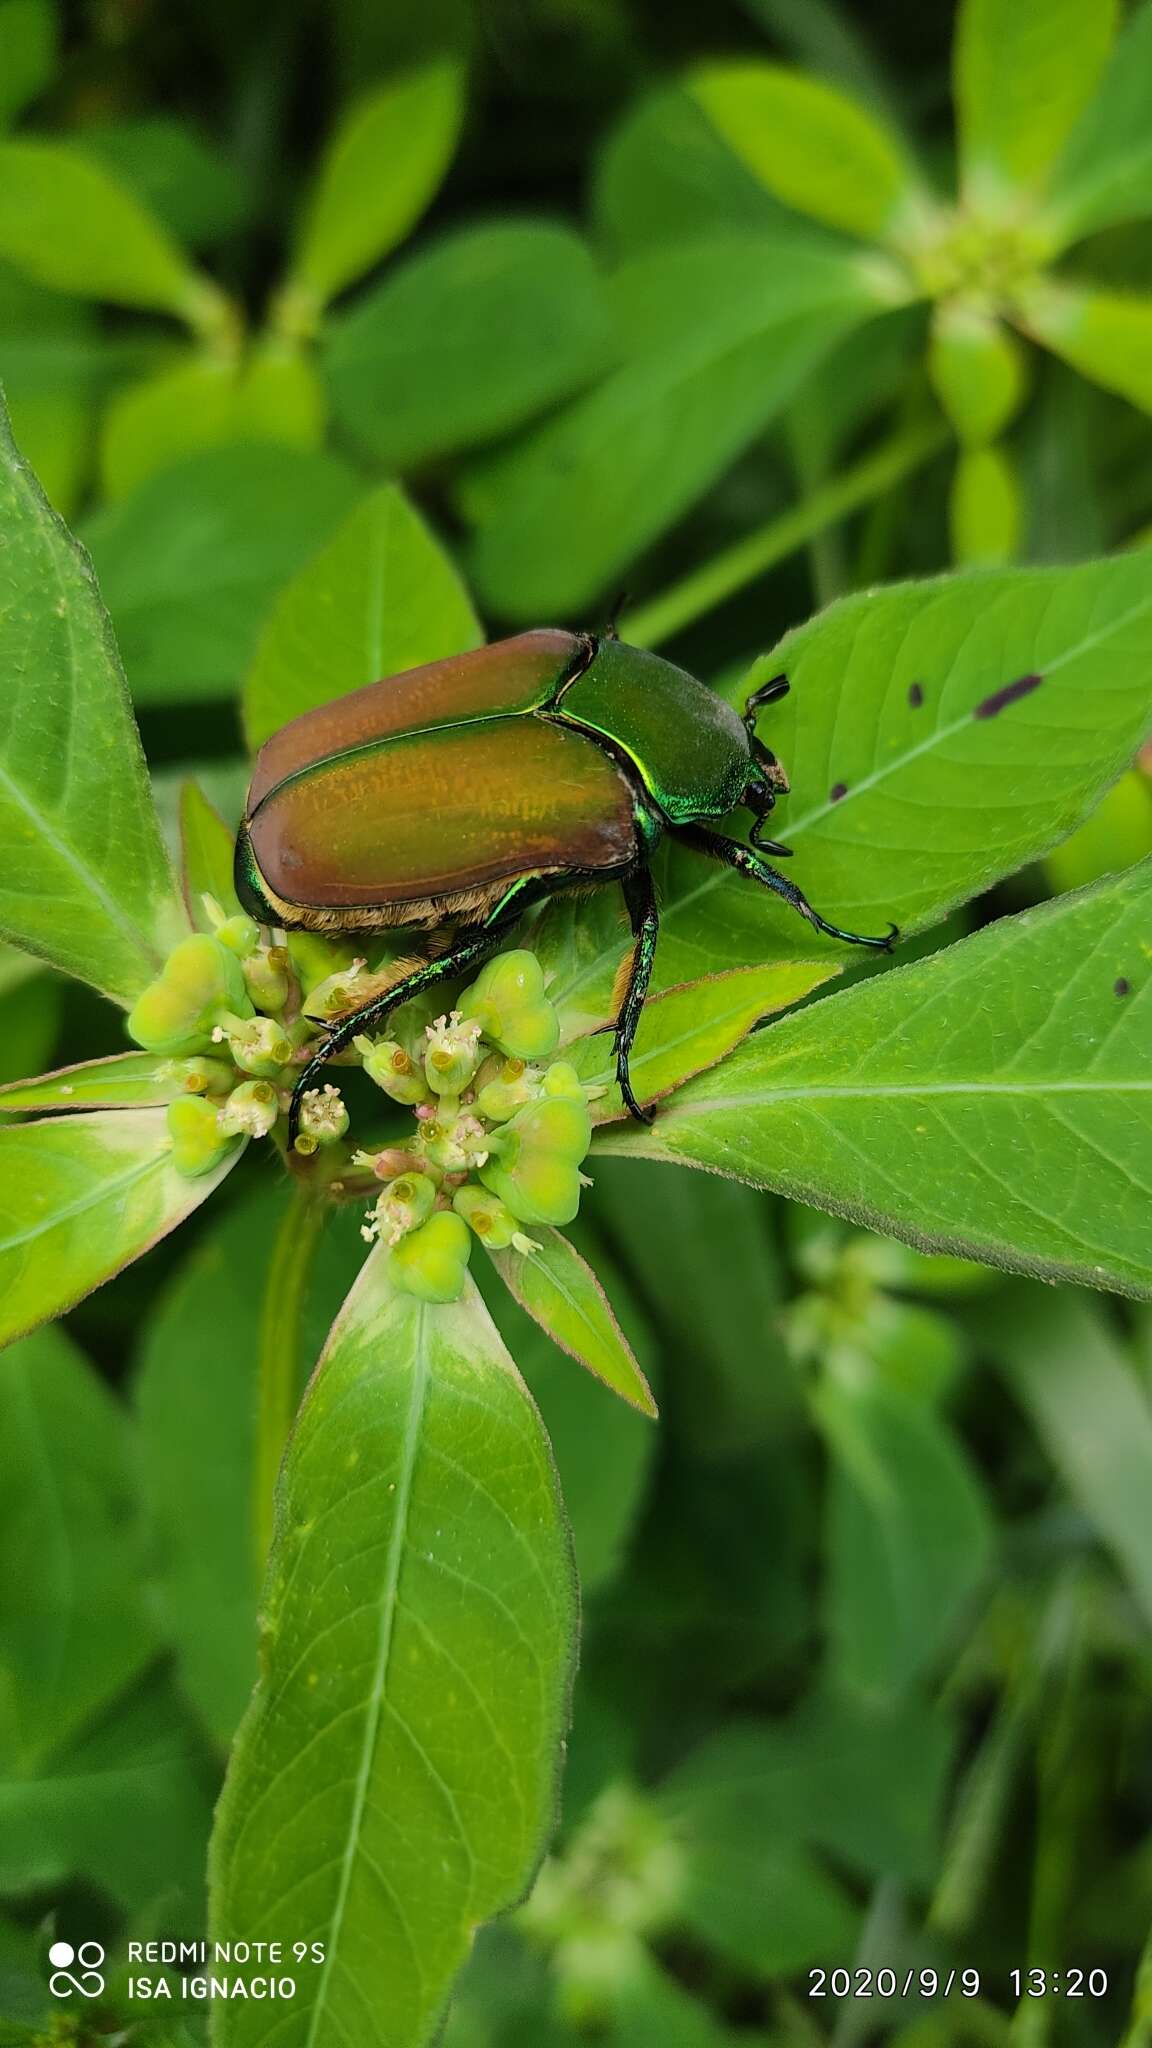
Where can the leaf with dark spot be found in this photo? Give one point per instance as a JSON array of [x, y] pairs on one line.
[[1121, 986], [991, 707], [837, 792], [915, 695]]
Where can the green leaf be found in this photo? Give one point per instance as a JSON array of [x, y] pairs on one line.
[[208, 401], [381, 169], [84, 880], [664, 176], [28, 40], [380, 597], [69, 223], [191, 562], [721, 335], [194, 188], [73, 1617], [978, 370], [985, 515], [467, 340], [1022, 74], [80, 1197], [421, 1572], [175, 412], [863, 1780], [1117, 835], [706, 1256], [909, 1535], [992, 1100], [811, 145], [207, 846], [126, 1808], [1105, 174], [196, 1403], [651, 2009], [128, 1080], [1107, 336], [1061, 1359], [687, 1029], [919, 775], [29, 1026], [768, 1906], [560, 1291], [51, 366], [604, 1450]]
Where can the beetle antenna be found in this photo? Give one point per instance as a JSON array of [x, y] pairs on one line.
[[618, 605]]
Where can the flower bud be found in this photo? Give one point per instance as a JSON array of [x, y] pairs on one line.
[[432, 1262], [258, 1045], [240, 934], [316, 959], [250, 1111], [510, 1088], [336, 994], [323, 1115], [393, 1070], [201, 1076], [176, 1013], [494, 1224], [507, 1000], [450, 1054], [404, 1205], [453, 1143], [562, 1081], [535, 1159], [198, 1143], [268, 978]]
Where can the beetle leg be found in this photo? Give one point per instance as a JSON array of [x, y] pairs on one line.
[[748, 863], [471, 949], [640, 897]]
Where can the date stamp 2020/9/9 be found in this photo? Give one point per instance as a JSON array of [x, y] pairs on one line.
[[928, 1982]]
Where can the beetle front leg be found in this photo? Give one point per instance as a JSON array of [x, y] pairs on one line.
[[472, 950], [748, 863], [640, 897]]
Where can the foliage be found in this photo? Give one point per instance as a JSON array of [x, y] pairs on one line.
[[291, 1526]]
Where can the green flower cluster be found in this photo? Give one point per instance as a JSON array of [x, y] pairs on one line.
[[227, 1011], [502, 1128], [500, 1138]]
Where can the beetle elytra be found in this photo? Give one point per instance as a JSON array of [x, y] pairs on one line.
[[460, 793]]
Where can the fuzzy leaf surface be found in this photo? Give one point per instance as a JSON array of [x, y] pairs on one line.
[[382, 596], [84, 879], [418, 1619], [80, 1197], [938, 736], [993, 1100]]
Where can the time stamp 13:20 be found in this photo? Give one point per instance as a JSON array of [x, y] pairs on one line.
[[932, 1983]]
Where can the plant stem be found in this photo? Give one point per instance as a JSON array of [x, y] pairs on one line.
[[740, 564], [279, 1355]]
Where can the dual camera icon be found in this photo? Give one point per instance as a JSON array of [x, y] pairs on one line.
[[76, 1969]]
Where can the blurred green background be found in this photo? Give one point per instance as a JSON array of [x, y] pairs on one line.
[[867, 1666]]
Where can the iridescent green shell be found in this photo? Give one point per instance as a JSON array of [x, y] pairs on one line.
[[689, 746], [425, 796]]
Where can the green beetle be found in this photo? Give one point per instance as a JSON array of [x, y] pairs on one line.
[[462, 792]]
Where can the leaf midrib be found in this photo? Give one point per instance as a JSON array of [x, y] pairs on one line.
[[393, 1561], [913, 1090], [47, 829], [105, 1191], [797, 824]]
